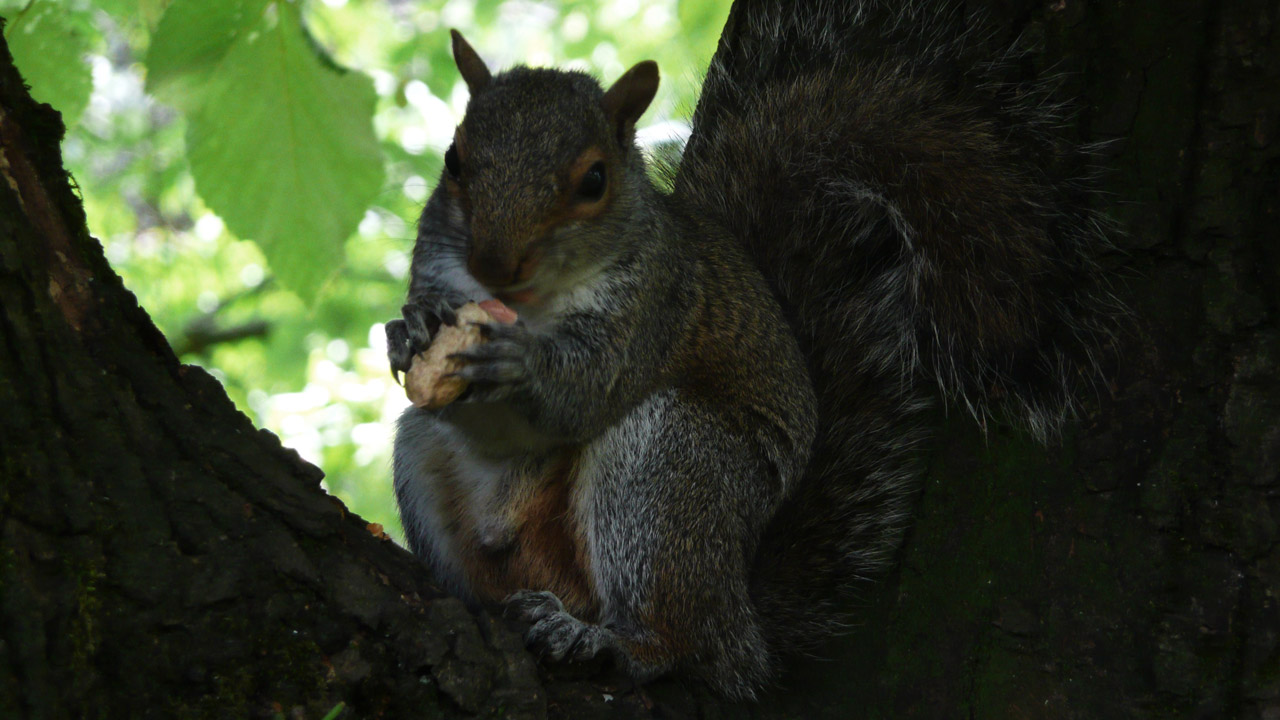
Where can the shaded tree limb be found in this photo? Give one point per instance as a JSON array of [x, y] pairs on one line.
[[160, 557]]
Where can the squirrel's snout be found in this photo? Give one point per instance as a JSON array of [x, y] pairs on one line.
[[491, 269], [501, 269]]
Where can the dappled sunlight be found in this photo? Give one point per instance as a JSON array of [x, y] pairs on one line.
[[314, 371]]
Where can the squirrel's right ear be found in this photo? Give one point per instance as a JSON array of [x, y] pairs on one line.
[[473, 70], [627, 99]]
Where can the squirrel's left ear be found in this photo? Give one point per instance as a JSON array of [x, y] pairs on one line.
[[627, 99], [473, 70]]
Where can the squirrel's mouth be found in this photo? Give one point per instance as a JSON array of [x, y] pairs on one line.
[[524, 297]]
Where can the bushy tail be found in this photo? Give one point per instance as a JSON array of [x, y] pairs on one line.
[[927, 231]]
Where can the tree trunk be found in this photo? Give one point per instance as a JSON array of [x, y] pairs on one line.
[[1132, 571], [162, 558]]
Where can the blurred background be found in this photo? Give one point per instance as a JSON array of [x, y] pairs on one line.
[[254, 169]]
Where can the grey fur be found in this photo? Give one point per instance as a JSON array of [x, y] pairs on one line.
[[738, 449]]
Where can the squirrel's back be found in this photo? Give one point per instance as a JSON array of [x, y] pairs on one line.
[[927, 230]]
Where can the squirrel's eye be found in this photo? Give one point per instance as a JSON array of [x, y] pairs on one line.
[[592, 185], [451, 162]]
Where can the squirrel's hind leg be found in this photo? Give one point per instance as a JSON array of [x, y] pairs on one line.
[[453, 503], [664, 521]]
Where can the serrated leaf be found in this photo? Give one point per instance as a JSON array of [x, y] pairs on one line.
[[191, 39], [283, 150], [49, 44]]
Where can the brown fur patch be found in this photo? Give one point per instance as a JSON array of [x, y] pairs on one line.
[[568, 207], [571, 206], [513, 243], [548, 552], [460, 146]]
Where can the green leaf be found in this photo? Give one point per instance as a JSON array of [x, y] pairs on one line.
[[283, 150], [49, 43], [125, 12], [698, 13], [443, 74], [190, 41]]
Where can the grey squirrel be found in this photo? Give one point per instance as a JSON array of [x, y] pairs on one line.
[[700, 435]]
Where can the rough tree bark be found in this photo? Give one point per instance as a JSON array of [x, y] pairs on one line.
[[162, 558]]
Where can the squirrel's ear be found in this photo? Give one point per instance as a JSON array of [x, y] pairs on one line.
[[473, 70], [626, 101]]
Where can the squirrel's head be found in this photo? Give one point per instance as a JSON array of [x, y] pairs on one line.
[[541, 160]]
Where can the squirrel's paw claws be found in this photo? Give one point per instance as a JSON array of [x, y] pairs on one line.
[[423, 317], [555, 633], [399, 348], [411, 333], [558, 637], [489, 365], [532, 605], [516, 331], [497, 368]]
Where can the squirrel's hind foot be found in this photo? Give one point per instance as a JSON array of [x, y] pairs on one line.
[[555, 633]]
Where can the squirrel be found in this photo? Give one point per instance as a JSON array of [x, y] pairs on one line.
[[701, 435]]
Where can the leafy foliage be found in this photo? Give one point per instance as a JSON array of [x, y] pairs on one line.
[[190, 42], [309, 129], [257, 190], [50, 44], [254, 87]]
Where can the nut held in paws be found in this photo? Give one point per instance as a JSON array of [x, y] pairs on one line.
[[427, 383]]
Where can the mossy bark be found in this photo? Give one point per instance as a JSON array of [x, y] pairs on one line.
[[162, 558]]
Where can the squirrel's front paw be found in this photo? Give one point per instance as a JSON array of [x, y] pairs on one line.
[[411, 333], [499, 367], [555, 633]]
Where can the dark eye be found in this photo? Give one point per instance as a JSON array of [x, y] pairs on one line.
[[451, 162], [592, 185]]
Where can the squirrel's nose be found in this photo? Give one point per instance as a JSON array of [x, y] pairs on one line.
[[494, 269], [502, 269]]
